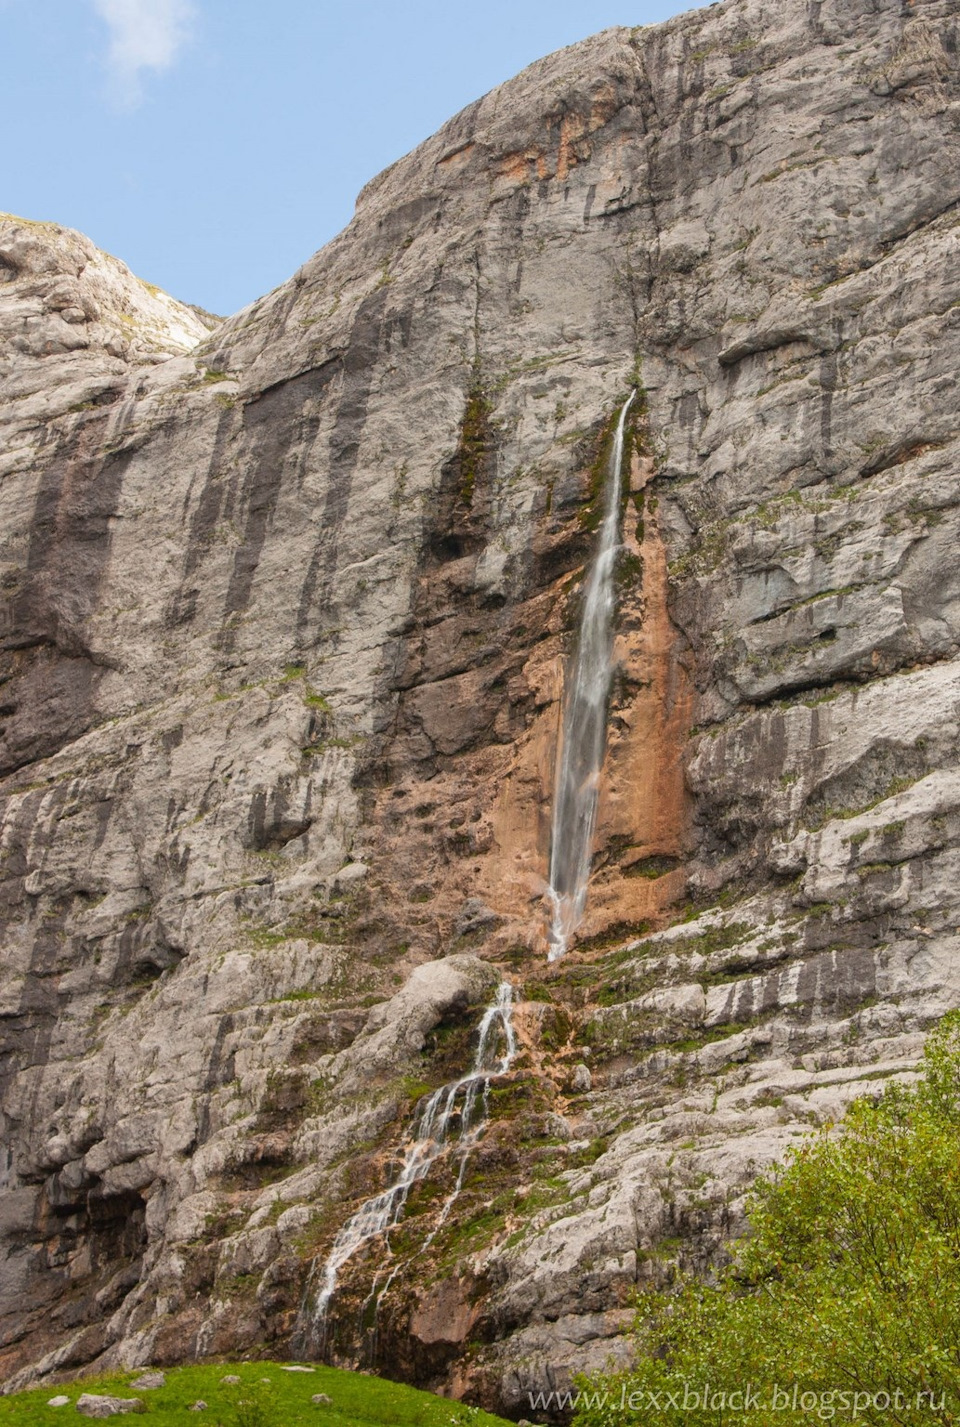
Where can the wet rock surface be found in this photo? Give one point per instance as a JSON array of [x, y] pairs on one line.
[[285, 602]]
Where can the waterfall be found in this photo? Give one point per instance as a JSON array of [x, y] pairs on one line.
[[455, 1115], [436, 1126], [583, 737]]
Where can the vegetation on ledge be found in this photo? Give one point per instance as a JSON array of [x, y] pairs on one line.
[[476, 441]]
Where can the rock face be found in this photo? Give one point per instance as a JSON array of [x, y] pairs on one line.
[[285, 604], [91, 1404]]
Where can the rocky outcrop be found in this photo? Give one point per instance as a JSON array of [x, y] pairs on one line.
[[285, 606]]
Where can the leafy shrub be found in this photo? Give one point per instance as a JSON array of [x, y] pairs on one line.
[[843, 1301]]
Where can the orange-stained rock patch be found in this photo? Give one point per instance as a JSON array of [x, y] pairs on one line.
[[643, 820]]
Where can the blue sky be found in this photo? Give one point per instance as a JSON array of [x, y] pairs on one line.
[[215, 144]]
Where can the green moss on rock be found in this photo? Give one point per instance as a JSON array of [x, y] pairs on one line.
[[476, 441]]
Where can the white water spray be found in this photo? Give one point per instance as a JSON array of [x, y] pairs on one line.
[[583, 736], [431, 1136]]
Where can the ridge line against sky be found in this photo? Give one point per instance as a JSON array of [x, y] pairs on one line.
[[214, 145]]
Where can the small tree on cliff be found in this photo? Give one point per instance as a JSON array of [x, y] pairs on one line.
[[844, 1299]]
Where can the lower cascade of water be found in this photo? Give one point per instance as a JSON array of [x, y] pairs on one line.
[[583, 738], [452, 1118]]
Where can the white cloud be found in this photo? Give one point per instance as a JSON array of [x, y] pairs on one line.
[[144, 34]]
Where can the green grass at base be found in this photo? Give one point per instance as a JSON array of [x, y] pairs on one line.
[[283, 1401]]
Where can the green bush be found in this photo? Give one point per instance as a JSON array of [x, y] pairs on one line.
[[842, 1302]]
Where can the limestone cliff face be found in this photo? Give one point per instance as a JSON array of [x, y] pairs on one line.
[[285, 605]]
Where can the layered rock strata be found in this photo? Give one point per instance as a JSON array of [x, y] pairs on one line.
[[286, 601]]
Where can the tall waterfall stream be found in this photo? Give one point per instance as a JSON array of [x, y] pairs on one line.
[[454, 1116], [583, 739]]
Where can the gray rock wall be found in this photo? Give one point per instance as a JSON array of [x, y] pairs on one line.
[[284, 604]]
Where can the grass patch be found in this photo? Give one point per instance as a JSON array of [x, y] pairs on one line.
[[820, 815], [613, 936], [705, 943], [283, 1400]]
